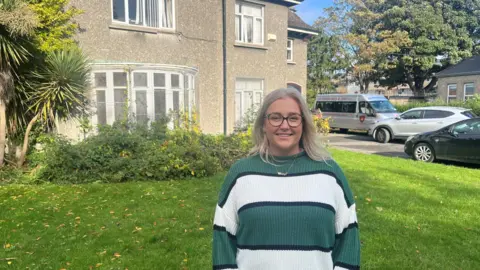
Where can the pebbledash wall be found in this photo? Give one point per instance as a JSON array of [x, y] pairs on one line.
[[176, 64]]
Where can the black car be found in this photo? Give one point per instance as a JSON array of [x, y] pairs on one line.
[[456, 142]]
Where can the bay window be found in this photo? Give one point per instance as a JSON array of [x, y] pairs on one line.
[[140, 95]]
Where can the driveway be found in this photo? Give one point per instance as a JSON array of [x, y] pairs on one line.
[[361, 142]]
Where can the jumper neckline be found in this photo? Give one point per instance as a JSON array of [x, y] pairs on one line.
[[290, 157]]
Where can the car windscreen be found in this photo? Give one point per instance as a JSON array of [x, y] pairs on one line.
[[383, 106], [469, 114]]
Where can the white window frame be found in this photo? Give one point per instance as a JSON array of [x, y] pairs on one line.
[[150, 91], [448, 92], [243, 31], [242, 92], [160, 16], [290, 49], [465, 96]]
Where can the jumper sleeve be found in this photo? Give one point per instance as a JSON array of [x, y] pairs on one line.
[[346, 251], [225, 226]]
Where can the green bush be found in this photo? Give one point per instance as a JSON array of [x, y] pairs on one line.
[[472, 103], [123, 153]]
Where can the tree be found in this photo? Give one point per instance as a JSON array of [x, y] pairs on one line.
[[17, 22], [56, 26], [359, 26], [325, 58], [59, 90], [437, 29]]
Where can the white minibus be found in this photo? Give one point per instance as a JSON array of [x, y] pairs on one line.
[[354, 111]]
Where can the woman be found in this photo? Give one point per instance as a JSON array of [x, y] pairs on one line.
[[288, 205]]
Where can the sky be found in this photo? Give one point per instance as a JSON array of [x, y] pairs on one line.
[[310, 10]]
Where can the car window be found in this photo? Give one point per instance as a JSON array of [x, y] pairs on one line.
[[429, 114], [469, 114], [471, 127], [417, 114]]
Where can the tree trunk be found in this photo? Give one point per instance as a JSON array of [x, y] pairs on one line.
[[3, 131], [21, 160]]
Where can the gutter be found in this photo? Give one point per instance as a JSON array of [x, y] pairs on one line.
[[224, 22]]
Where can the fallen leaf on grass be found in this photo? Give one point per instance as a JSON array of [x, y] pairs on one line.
[[137, 229], [7, 245], [201, 229], [368, 199], [117, 255], [98, 265], [379, 208]]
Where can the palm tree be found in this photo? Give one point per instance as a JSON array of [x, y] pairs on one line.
[[17, 22], [59, 90]]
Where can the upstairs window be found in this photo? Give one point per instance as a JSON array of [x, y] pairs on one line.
[[147, 13], [249, 23], [290, 50]]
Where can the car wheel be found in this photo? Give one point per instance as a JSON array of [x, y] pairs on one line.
[[382, 135], [423, 152]]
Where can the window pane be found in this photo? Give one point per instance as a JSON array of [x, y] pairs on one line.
[[430, 114], [249, 29], [119, 79], [452, 90], [248, 100], [186, 82], [238, 106], [469, 89], [167, 15], [101, 108], [175, 81], [120, 98], [100, 80], [252, 10], [412, 115], [152, 16], [258, 98], [135, 12], [141, 105], [186, 100], [159, 80], [176, 101], [258, 34], [238, 27], [119, 10], [289, 55], [160, 103], [237, 8], [140, 79]]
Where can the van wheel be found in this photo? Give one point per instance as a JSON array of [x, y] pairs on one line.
[[343, 130], [382, 135], [423, 152]]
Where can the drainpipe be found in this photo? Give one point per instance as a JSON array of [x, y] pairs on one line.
[[224, 23]]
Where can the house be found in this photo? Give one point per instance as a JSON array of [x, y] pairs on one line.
[[461, 81], [216, 57]]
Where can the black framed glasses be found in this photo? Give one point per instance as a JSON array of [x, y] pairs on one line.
[[276, 119]]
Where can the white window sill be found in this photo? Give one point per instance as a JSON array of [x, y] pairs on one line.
[[251, 46], [144, 29], [291, 62]]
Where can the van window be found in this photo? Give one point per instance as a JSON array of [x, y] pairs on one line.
[[366, 108], [337, 106]]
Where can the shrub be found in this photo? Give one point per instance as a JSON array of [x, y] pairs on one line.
[[472, 103]]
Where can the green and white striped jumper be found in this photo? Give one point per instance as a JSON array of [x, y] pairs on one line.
[[305, 220]]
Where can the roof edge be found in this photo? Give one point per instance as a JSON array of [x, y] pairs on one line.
[[457, 74], [302, 30]]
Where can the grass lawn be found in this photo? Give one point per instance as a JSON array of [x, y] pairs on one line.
[[412, 216]]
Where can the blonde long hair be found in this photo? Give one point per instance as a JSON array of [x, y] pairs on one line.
[[308, 141]]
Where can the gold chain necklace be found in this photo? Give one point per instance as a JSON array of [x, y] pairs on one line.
[[286, 173]]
